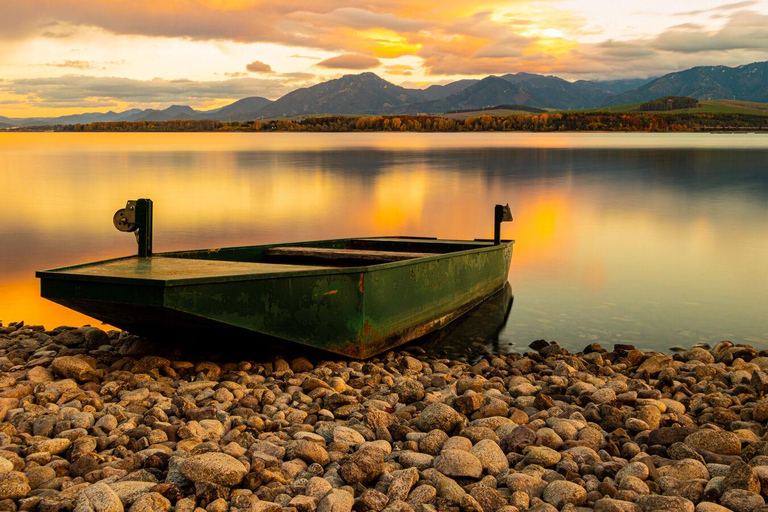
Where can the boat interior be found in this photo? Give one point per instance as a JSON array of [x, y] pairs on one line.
[[337, 253], [270, 259]]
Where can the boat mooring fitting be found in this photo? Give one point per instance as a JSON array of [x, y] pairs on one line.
[[136, 217]]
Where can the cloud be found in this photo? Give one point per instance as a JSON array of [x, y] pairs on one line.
[[399, 69], [511, 46], [720, 8], [258, 67], [81, 90], [84, 64], [350, 61], [77, 64], [743, 30]]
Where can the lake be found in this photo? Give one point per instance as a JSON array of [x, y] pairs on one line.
[[659, 240]]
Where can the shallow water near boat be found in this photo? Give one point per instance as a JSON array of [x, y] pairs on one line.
[[652, 239]]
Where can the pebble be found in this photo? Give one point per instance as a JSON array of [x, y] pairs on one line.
[[458, 463], [561, 492], [214, 467], [96, 421], [98, 497]]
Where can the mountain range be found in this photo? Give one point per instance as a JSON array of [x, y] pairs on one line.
[[367, 93]]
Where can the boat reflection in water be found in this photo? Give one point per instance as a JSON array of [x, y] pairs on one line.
[[474, 334]]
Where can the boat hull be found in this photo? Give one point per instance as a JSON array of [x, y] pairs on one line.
[[356, 312]]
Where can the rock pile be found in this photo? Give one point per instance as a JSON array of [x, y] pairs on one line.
[[86, 424]]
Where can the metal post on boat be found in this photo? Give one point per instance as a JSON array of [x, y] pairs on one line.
[[137, 217], [501, 214]]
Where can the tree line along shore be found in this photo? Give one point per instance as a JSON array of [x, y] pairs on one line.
[[548, 122]]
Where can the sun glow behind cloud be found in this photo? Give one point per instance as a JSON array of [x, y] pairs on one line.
[[213, 41]]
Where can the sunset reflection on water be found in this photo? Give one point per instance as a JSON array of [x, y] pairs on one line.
[[655, 247]]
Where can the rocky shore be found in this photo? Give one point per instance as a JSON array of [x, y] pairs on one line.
[[92, 421]]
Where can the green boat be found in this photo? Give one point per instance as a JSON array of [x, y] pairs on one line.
[[356, 297]]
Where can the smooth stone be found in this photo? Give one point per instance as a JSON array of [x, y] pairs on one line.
[[13, 485], [72, 367], [347, 435], [154, 502], [98, 497], [458, 463], [741, 476], [439, 416], [656, 503], [416, 460], [716, 441], [336, 501], [612, 505], [490, 456], [562, 492], [363, 466], [741, 500], [706, 506], [214, 467], [541, 455]]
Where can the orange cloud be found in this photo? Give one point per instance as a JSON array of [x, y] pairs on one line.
[[350, 61], [258, 67]]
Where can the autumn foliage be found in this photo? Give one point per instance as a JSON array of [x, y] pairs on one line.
[[554, 122]]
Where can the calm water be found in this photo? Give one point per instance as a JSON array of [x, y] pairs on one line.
[[653, 239]]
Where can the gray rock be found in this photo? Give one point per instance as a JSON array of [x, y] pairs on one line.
[[98, 497], [458, 463], [213, 467]]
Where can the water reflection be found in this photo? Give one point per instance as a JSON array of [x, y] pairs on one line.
[[617, 239], [478, 333]]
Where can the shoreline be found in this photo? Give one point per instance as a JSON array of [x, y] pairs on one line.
[[91, 420]]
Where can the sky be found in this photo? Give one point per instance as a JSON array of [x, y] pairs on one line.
[[62, 57]]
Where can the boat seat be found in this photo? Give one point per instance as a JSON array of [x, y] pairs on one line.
[[344, 254]]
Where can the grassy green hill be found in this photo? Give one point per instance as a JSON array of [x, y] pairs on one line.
[[705, 107]]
